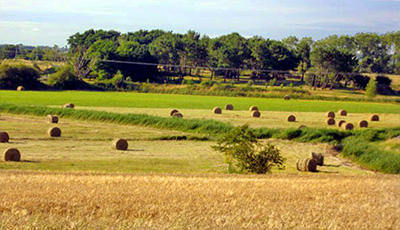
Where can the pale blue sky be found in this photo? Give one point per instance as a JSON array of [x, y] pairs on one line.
[[48, 22]]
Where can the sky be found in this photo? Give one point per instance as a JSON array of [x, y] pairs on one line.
[[50, 22]]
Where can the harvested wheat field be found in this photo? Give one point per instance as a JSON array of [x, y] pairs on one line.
[[121, 201]]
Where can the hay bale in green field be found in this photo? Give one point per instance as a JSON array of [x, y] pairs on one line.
[[253, 108], [330, 114], [173, 111], [255, 114], [291, 118], [363, 124], [217, 110], [69, 106], [374, 117], [330, 121], [340, 123], [12, 154], [177, 115], [342, 113]]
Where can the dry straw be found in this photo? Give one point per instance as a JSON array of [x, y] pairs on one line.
[[228, 107], [69, 106], [348, 126], [12, 154], [330, 121], [4, 138], [342, 113], [253, 108], [171, 113], [20, 88], [291, 118], [52, 119], [340, 123], [255, 113], [120, 144], [374, 117], [363, 124], [318, 157], [54, 132], [306, 165], [217, 110], [330, 114]]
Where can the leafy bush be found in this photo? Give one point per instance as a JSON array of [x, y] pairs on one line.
[[243, 151], [64, 79], [383, 80], [371, 89], [19, 75]]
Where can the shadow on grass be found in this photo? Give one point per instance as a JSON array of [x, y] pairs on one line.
[[336, 166]]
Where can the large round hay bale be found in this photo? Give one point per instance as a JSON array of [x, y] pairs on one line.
[[253, 108], [228, 107], [318, 157], [374, 117], [255, 113], [340, 123], [20, 88], [291, 118], [286, 97], [330, 114], [69, 106], [54, 132], [177, 115], [330, 121], [363, 124], [173, 111], [306, 165], [52, 119], [348, 126], [12, 154], [217, 110], [342, 113], [120, 144], [4, 138]]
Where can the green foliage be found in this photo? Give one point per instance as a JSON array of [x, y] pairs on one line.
[[64, 79], [243, 151], [371, 89], [272, 82], [19, 75]]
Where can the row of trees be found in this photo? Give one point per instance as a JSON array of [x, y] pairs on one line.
[[39, 53]]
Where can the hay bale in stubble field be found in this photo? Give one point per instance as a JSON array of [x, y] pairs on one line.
[[306, 165], [177, 115], [330, 114], [253, 108], [20, 88], [69, 106], [374, 117], [52, 119], [291, 118], [342, 113], [340, 123], [330, 121], [217, 110], [173, 111], [255, 113], [363, 124], [228, 107], [120, 144], [348, 126], [318, 157], [54, 132], [4, 137], [12, 154]]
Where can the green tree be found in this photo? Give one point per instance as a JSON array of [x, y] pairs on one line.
[[371, 89]]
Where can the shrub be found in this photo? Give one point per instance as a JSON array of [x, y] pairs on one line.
[[243, 152], [371, 89], [19, 75], [64, 79]]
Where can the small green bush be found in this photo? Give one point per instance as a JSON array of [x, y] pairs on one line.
[[12, 76], [64, 79]]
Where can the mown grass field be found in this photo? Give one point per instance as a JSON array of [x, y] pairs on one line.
[[141, 100]]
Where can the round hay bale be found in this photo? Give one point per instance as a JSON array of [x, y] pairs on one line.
[[177, 115], [291, 118], [228, 107], [330, 114], [253, 108], [54, 132], [4, 138], [52, 119], [340, 123], [173, 111], [12, 154], [374, 117], [69, 106], [120, 144], [286, 97], [342, 113], [318, 157], [330, 121], [255, 113], [20, 88], [363, 124], [217, 110], [306, 165], [348, 126]]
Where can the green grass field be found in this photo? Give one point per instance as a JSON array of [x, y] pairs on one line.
[[138, 100]]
